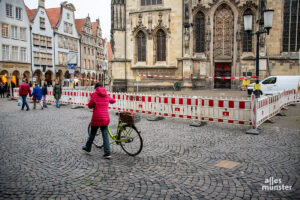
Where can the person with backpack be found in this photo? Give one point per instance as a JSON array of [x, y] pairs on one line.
[[44, 93], [24, 90], [99, 103], [37, 96]]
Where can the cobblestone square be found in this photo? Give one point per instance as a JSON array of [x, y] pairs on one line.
[[41, 158]]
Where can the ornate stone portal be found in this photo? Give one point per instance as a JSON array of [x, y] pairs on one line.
[[223, 33]]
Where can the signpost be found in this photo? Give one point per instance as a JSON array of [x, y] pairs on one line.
[[72, 71]]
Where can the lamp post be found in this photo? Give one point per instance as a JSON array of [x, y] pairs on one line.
[[268, 18]]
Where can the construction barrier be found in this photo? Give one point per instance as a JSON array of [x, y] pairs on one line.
[[200, 77], [269, 106], [248, 112]]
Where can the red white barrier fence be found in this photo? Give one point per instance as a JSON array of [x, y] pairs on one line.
[[249, 112], [201, 77], [269, 106]]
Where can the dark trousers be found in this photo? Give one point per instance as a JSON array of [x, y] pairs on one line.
[[91, 138]]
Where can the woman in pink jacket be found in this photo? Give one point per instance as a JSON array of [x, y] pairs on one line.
[[100, 119]]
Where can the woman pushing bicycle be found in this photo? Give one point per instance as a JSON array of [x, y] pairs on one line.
[[99, 103]]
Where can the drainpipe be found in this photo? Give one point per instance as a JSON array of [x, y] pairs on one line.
[[80, 58], [31, 60], [182, 38], [125, 49], [54, 55]]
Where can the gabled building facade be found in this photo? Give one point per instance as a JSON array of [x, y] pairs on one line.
[[66, 41], [43, 66], [101, 63], [15, 42], [87, 49]]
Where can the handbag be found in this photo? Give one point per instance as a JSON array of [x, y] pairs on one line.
[[33, 98], [20, 102]]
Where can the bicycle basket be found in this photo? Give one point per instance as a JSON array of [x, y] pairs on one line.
[[129, 118]]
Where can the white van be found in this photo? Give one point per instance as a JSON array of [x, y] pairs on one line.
[[275, 84]]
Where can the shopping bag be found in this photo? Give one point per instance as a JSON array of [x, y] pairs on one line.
[[20, 102]]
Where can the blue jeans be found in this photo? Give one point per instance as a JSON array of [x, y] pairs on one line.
[[57, 103], [24, 102], [91, 138]]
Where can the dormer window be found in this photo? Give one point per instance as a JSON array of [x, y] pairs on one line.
[[68, 16], [42, 23], [150, 2]]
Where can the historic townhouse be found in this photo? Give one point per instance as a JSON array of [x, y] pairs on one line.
[[200, 38], [42, 44], [66, 41], [92, 48], [87, 49], [101, 62], [14, 42]]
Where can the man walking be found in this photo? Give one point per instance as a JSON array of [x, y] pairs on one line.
[[24, 90], [44, 93], [57, 92], [37, 96]]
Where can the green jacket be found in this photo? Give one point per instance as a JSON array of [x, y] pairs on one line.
[[57, 91]]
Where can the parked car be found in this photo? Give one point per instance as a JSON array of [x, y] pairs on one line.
[[276, 84]]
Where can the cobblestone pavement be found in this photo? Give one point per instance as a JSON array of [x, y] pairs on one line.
[[41, 158]]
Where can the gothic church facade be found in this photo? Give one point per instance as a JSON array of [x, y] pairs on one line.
[[200, 38]]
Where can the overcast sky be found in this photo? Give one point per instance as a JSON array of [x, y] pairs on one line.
[[96, 8]]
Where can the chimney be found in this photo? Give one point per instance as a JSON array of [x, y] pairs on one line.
[[42, 3]]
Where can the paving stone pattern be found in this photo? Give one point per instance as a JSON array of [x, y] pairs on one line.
[[41, 158]]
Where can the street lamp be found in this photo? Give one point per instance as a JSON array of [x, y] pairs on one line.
[[268, 19]]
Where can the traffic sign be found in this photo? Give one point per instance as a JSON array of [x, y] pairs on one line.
[[257, 86]]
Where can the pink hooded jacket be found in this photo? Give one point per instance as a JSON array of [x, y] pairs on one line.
[[99, 102]]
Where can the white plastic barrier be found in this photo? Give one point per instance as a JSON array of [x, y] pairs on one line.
[[250, 112], [268, 106], [262, 110], [231, 111]]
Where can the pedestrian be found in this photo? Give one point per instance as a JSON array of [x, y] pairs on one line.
[[57, 92], [37, 96], [24, 90], [13, 85], [44, 93], [1, 90], [6, 88], [99, 103]]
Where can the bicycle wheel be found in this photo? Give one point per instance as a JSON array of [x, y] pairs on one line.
[[97, 141], [131, 140]]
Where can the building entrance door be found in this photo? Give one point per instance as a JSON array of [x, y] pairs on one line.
[[222, 70]]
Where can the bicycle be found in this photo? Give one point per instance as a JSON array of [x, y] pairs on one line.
[[127, 135]]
